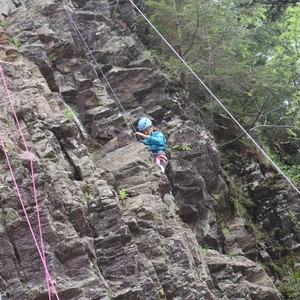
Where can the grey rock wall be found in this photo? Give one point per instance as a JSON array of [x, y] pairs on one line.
[[114, 226]]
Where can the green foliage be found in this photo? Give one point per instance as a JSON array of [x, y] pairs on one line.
[[137, 23], [290, 168], [161, 293], [229, 255], [242, 212], [171, 65], [225, 230], [127, 120], [204, 250], [216, 198], [289, 274], [53, 57], [68, 113], [173, 207], [88, 192], [241, 204], [278, 270], [26, 290], [109, 294], [291, 285], [16, 41], [2, 23], [116, 15], [54, 27], [123, 194], [162, 14], [88, 196], [183, 147]]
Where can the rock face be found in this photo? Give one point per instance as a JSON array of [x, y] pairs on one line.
[[114, 226], [240, 278]]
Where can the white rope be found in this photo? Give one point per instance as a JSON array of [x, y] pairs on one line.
[[215, 97], [95, 61]]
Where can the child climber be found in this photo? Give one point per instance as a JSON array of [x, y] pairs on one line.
[[155, 140]]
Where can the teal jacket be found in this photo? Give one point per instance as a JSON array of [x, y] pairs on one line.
[[156, 142]]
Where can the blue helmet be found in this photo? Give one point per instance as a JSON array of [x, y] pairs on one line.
[[144, 123]]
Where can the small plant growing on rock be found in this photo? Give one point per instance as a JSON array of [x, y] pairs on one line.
[[88, 192], [53, 27], [69, 113], [53, 57], [216, 198], [161, 293], [116, 15], [241, 211], [127, 121], [229, 255], [204, 250], [88, 196], [26, 289], [186, 147], [183, 147], [225, 230], [289, 273], [16, 41], [123, 194], [109, 295]]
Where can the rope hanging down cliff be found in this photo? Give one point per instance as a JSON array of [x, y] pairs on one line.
[[41, 250], [73, 24], [216, 98]]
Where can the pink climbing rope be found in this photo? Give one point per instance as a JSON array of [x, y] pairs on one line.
[[42, 250], [26, 215]]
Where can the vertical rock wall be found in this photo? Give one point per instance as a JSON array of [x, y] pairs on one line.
[[111, 227]]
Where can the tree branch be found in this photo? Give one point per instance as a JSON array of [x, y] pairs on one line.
[[249, 129]]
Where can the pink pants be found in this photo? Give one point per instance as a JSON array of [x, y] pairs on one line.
[[162, 161]]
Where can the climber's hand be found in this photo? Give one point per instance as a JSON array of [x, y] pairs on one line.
[[144, 136]]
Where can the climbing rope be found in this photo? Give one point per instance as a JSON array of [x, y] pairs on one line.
[[42, 249], [218, 101], [27, 217], [75, 27]]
